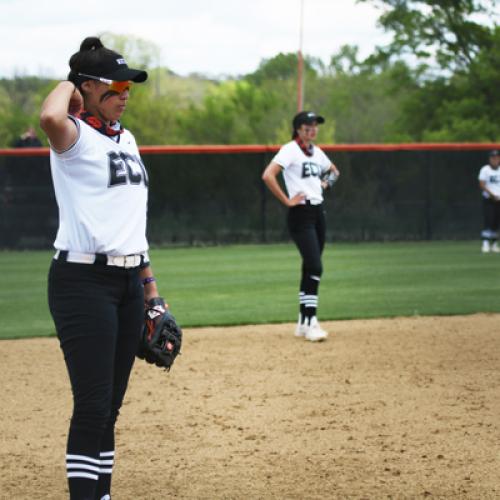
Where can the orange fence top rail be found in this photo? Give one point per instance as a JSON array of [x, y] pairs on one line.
[[258, 148]]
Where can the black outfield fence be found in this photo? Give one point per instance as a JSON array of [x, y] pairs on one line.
[[214, 194]]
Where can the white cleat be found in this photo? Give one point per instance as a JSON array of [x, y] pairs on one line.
[[314, 333], [300, 329], [495, 248], [486, 247]]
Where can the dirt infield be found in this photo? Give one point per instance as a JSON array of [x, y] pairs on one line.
[[402, 408]]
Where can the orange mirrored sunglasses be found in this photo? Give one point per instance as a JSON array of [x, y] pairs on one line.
[[114, 86]]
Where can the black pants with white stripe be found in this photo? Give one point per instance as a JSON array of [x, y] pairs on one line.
[[98, 314], [307, 227]]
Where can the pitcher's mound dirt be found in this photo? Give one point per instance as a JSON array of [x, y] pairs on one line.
[[400, 408]]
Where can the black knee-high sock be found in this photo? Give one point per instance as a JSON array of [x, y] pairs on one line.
[[107, 458], [302, 307], [310, 297], [82, 464]]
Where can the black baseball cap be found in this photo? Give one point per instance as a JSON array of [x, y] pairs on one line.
[[112, 66], [494, 152], [306, 117]]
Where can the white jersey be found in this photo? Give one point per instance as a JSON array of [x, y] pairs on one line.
[[101, 191], [301, 172], [491, 177]]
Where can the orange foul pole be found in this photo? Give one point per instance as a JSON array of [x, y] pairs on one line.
[[300, 65]]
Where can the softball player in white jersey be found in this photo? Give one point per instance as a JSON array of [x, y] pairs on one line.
[[489, 183], [306, 171], [100, 276]]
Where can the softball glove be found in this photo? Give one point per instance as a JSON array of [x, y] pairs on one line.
[[161, 337]]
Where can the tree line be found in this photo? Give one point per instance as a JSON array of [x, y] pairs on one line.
[[438, 80]]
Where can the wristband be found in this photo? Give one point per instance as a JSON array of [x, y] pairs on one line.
[[149, 279], [331, 179]]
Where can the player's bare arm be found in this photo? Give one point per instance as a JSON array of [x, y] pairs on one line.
[[270, 179], [61, 130]]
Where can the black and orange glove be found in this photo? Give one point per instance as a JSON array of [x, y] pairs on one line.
[[161, 337]]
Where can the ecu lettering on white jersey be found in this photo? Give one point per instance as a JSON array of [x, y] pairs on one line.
[[302, 173], [101, 188], [491, 179]]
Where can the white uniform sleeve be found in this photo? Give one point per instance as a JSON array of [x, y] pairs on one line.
[[75, 149], [284, 157]]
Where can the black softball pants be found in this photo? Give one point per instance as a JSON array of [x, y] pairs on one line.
[[307, 227], [98, 314], [491, 219]]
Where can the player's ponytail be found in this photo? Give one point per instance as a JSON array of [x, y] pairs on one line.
[[90, 55], [91, 43]]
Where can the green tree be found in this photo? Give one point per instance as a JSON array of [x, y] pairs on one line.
[[283, 67], [464, 107], [20, 100], [360, 100], [235, 112], [138, 51], [455, 90], [446, 30]]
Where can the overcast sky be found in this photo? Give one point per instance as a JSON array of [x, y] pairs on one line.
[[214, 37]]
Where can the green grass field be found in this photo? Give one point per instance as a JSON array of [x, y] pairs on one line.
[[230, 285]]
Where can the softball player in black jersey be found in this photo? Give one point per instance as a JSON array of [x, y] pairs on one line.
[[306, 171], [100, 276]]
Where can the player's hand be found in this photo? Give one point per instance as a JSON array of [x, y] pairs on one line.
[[329, 178], [75, 102], [298, 199]]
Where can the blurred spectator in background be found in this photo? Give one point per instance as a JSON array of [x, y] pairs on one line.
[[28, 140]]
